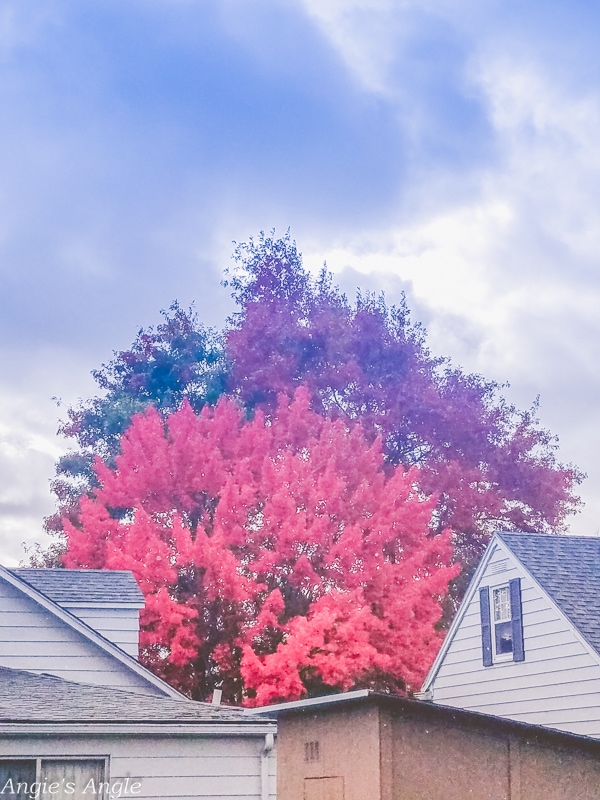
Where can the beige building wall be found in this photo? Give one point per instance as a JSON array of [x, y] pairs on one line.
[[329, 756], [371, 752]]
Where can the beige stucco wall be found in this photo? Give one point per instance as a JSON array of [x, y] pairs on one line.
[[432, 761], [349, 749], [367, 753]]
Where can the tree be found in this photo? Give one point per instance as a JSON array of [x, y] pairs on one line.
[[178, 359], [279, 556], [490, 465]]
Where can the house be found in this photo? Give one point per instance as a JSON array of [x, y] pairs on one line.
[[367, 746], [54, 731], [80, 717], [80, 625], [525, 643]]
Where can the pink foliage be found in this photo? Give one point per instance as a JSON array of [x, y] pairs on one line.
[[278, 556], [489, 465]]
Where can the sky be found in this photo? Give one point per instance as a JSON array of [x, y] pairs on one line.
[[447, 149]]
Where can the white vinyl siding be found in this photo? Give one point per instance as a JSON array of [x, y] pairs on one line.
[[120, 626], [33, 639], [558, 684], [181, 766]]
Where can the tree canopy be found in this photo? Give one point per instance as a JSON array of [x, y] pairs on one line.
[[284, 489], [490, 465], [278, 556], [178, 359]]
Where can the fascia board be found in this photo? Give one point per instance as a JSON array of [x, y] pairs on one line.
[[89, 633], [97, 604], [469, 594], [319, 702], [34, 729]]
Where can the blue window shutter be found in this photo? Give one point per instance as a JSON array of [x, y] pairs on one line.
[[486, 628], [517, 620]]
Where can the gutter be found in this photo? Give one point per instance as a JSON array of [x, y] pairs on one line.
[[34, 729]]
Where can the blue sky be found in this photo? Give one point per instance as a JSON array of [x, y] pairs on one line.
[[450, 149]]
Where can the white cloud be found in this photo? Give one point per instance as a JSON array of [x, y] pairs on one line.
[[29, 446], [364, 32], [508, 279], [102, 224], [28, 449]]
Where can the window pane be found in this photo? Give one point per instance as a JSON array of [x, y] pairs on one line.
[[77, 780], [16, 777], [504, 638], [502, 604]]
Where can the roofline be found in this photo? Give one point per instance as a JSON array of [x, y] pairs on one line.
[[311, 702], [458, 617], [43, 729], [97, 604], [89, 633], [568, 536], [66, 570], [474, 719]]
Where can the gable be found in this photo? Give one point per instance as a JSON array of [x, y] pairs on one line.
[[568, 569], [558, 683], [38, 636], [108, 601]]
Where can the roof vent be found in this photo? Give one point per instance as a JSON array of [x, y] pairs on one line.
[[498, 566]]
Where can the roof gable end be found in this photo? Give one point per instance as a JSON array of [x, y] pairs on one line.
[[567, 569], [88, 633], [458, 618], [551, 562]]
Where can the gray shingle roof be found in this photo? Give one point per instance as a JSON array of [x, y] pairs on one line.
[[568, 568], [85, 586], [26, 697]]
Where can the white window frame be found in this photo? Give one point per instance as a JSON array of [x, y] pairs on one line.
[[498, 658]]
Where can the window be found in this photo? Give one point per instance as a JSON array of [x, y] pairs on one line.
[[502, 619], [16, 777], [501, 623], [53, 779]]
